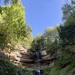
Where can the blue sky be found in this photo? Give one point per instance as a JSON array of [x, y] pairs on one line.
[[41, 14]]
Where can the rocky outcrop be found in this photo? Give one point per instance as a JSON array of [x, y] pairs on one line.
[[15, 56], [22, 56]]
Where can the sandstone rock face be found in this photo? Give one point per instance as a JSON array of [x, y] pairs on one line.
[[15, 56], [22, 50], [6, 51], [26, 57]]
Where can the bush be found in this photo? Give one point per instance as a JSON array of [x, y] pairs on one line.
[[7, 68]]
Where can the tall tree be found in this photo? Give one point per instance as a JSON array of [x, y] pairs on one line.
[[14, 26], [51, 33], [67, 30], [51, 39], [38, 43], [68, 10]]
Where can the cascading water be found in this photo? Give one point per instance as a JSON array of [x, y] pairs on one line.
[[37, 57]]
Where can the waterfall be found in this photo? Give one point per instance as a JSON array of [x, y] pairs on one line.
[[37, 57]]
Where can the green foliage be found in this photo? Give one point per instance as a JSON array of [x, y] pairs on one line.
[[67, 30], [51, 33], [38, 43], [68, 10], [7, 68], [64, 65], [47, 70], [62, 72], [13, 28], [51, 39], [29, 38], [12, 1], [48, 41], [23, 71], [28, 41]]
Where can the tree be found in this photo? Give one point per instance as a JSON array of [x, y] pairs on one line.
[[13, 27], [68, 10], [51, 39], [7, 68], [28, 41], [67, 30], [7, 1], [38, 43], [51, 33], [13, 2]]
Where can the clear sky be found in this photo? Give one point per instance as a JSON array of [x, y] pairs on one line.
[[41, 14]]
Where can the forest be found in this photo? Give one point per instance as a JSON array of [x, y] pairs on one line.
[[15, 33]]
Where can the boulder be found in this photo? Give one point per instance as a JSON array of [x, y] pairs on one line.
[[43, 53]]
